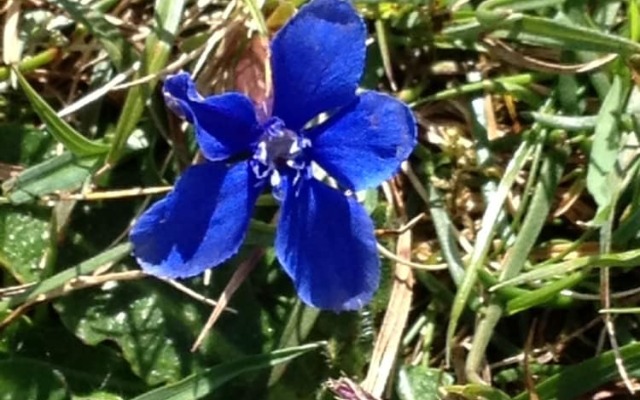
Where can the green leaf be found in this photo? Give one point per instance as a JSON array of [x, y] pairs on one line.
[[64, 172], [301, 320], [167, 16], [202, 384], [505, 15], [99, 396], [479, 392], [626, 259], [153, 328], [421, 383], [62, 278], [484, 238], [62, 131], [23, 144], [155, 325], [574, 381], [87, 370], [569, 123], [606, 143], [260, 234], [544, 294], [109, 35], [26, 242], [24, 379]]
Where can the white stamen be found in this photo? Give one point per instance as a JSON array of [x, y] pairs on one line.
[[275, 179]]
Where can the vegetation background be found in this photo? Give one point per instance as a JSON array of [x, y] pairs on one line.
[[510, 239]]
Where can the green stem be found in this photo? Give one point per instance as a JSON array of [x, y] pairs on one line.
[[537, 213], [31, 63]]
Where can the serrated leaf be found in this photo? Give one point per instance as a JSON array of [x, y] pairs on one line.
[[61, 130]]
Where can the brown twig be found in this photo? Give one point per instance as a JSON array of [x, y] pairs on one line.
[[506, 53], [234, 283], [80, 282], [390, 336]]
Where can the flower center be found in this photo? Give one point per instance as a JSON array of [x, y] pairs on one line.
[[280, 151], [278, 144]]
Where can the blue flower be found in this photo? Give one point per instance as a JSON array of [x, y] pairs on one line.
[[325, 240]]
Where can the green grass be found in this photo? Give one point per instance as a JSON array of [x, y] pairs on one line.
[[524, 194]]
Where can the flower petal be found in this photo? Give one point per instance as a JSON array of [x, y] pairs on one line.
[[325, 242], [366, 142], [200, 224], [317, 60], [225, 125]]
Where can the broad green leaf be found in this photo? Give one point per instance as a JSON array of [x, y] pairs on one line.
[[421, 383], [62, 131], [151, 324], [62, 278], [204, 383], [25, 379], [26, 242], [87, 370], [22, 144], [64, 172], [155, 326]]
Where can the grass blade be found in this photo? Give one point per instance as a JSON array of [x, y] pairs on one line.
[[199, 385], [62, 131], [156, 55]]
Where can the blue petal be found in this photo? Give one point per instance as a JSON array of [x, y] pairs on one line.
[[365, 143], [325, 242], [317, 60], [225, 125], [200, 224]]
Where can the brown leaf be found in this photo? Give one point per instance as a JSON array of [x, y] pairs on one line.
[[251, 74]]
